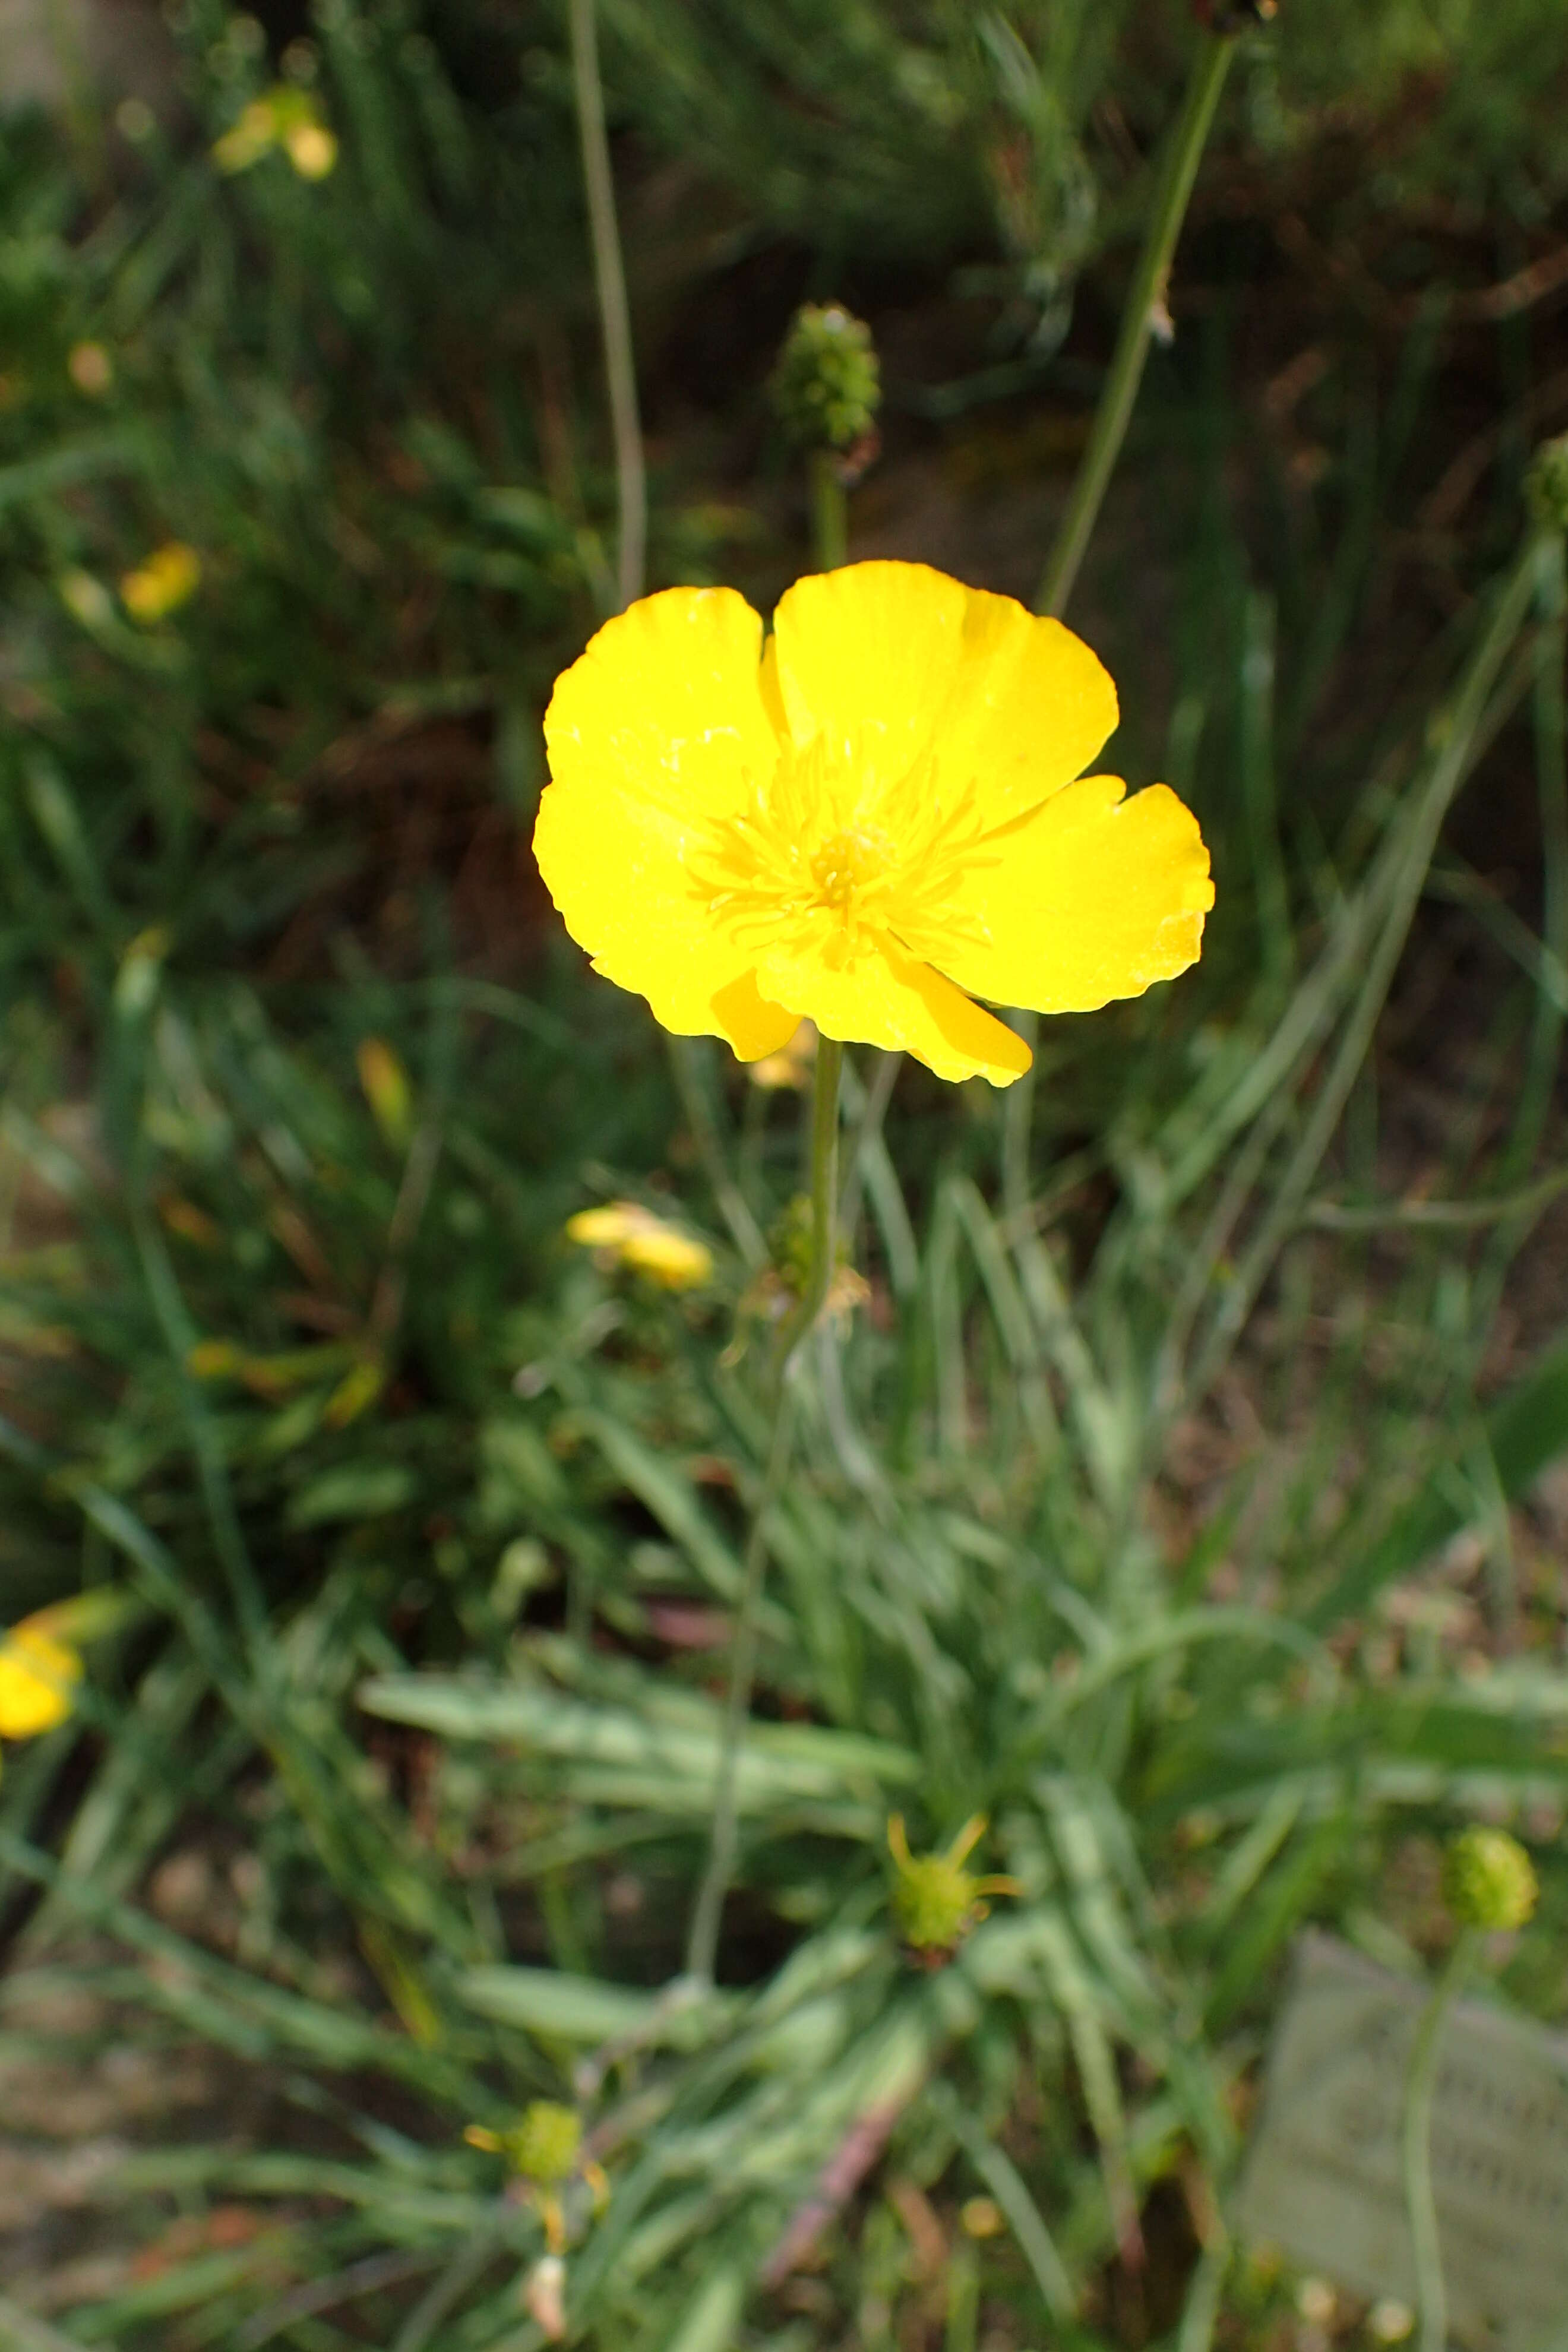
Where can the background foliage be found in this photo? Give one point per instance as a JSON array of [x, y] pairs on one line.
[[1167, 1503]]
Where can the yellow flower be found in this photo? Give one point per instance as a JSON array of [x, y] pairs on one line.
[[857, 825], [38, 1676], [637, 1238], [168, 579], [282, 116]]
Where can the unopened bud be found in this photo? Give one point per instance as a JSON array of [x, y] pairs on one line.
[[1488, 1880], [826, 386]]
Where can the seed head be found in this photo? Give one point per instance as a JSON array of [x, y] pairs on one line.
[[1488, 1880], [935, 1901], [826, 386]]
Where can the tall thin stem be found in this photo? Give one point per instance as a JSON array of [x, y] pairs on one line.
[[614, 316], [829, 512], [1420, 2206], [702, 1942], [1145, 302]]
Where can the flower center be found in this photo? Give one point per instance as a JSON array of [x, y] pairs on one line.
[[821, 862], [847, 868]]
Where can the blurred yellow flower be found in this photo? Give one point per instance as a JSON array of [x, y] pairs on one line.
[[38, 1676], [311, 148], [861, 823], [90, 368], [283, 117], [790, 1066], [635, 1237], [168, 579]]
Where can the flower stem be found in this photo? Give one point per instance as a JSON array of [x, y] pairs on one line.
[[1420, 2082], [829, 512], [702, 1942], [614, 316], [1145, 302]]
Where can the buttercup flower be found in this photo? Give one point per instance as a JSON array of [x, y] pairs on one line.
[[38, 1676], [867, 824], [282, 116], [168, 579], [635, 1237]]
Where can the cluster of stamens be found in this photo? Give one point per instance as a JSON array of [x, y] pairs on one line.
[[824, 855]]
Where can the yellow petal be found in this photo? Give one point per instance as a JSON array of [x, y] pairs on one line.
[[38, 1678], [753, 1027], [1089, 898], [667, 703], [1030, 707], [658, 728], [891, 660], [866, 657], [886, 998]]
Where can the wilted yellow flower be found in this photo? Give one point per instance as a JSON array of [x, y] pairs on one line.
[[38, 1676], [387, 1090], [860, 823], [285, 116], [544, 2151], [635, 1237], [168, 579], [935, 1901]]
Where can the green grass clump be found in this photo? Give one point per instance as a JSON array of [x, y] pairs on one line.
[[431, 1526]]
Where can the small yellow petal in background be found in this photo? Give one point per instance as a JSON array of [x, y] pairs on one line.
[[38, 1676], [633, 1237], [168, 579], [790, 1068], [247, 139], [312, 149], [886, 998], [387, 1090], [90, 368], [1090, 898]]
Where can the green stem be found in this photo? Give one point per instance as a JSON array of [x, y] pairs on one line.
[[824, 1202], [615, 315], [744, 1231], [829, 513], [702, 1942], [1420, 2206], [1145, 300]]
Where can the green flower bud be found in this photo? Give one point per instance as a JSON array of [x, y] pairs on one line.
[[826, 386], [935, 1901], [1488, 1880], [544, 2147], [1546, 486]]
